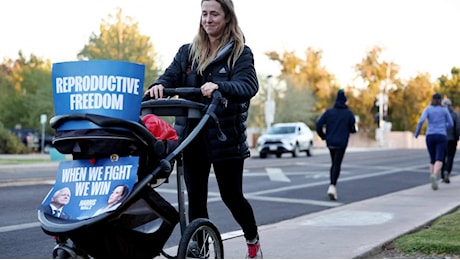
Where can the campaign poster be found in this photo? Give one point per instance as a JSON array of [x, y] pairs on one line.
[[102, 87], [85, 188]]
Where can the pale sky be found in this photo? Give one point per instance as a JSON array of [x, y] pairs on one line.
[[418, 35]]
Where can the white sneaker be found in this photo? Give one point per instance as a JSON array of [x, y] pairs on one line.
[[332, 192], [434, 183]]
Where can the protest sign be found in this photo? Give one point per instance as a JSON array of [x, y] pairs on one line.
[[90, 188], [103, 87]]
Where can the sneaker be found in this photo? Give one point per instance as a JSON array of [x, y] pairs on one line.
[[332, 192], [254, 250], [446, 178], [434, 183]]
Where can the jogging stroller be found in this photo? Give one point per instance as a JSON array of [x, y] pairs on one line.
[[143, 222]]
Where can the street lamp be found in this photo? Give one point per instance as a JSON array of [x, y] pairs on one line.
[[269, 106]]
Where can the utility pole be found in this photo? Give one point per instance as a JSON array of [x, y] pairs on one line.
[[269, 106]]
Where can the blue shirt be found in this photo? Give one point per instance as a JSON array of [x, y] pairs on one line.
[[438, 120]]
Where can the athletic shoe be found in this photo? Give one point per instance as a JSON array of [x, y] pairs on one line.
[[254, 250], [332, 192], [446, 178], [434, 183]]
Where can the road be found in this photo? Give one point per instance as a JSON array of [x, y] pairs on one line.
[[278, 189]]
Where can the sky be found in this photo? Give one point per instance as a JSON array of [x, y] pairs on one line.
[[418, 35]]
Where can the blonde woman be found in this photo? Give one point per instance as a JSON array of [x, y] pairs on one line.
[[217, 59]]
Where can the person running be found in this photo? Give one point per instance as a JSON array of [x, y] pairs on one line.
[[439, 120], [217, 59], [339, 122]]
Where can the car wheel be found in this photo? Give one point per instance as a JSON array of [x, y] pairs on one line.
[[309, 150], [296, 151], [263, 155], [278, 155]]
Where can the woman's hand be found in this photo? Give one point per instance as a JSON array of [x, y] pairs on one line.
[[155, 91], [208, 88]]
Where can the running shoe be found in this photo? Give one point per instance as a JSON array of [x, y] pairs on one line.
[[434, 182]]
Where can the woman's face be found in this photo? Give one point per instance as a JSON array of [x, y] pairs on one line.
[[116, 195], [213, 18]]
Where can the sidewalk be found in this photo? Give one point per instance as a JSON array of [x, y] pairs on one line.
[[353, 230]]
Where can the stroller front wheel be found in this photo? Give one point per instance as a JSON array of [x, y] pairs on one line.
[[201, 239]]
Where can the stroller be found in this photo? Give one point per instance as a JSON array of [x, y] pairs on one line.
[[141, 225]]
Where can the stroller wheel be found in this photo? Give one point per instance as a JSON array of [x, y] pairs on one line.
[[63, 252], [201, 239]]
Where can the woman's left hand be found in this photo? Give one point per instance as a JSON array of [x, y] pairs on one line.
[[208, 88]]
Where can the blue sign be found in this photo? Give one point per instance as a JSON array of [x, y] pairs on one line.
[[86, 188], [103, 87]]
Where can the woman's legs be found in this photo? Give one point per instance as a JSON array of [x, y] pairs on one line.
[[196, 175], [229, 175], [436, 145]]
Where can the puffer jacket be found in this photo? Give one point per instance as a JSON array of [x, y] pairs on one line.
[[339, 122], [238, 85]]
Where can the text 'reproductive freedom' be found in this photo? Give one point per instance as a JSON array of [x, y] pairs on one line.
[[85, 90]]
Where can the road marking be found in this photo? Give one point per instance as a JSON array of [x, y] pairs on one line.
[[276, 174], [298, 201], [19, 227]]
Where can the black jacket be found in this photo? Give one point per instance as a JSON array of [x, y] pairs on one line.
[[238, 85], [339, 122]]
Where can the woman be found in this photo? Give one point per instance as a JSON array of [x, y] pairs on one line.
[[217, 59], [439, 120], [119, 193]]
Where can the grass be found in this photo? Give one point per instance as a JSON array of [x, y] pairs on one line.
[[442, 237], [22, 161]]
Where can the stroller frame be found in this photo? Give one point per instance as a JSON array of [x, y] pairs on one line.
[[102, 235]]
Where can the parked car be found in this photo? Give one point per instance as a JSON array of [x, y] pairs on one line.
[[282, 138], [47, 144], [29, 137]]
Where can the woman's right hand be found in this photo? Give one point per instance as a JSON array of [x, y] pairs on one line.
[[155, 91]]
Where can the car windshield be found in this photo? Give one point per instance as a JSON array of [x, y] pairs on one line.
[[281, 130]]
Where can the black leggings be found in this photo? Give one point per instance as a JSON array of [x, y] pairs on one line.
[[229, 176], [337, 155], [449, 157]]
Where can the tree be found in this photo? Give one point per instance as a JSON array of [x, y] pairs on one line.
[[450, 86], [404, 113], [375, 74], [296, 106], [310, 86], [120, 39], [26, 92]]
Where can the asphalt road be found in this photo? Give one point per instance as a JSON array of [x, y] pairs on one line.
[[278, 189]]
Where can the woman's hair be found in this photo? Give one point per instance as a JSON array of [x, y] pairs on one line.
[[436, 100], [200, 47], [125, 192]]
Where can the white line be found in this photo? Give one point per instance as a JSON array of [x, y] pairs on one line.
[[19, 227], [276, 174], [298, 201]]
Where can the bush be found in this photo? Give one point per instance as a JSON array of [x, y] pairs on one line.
[[10, 143]]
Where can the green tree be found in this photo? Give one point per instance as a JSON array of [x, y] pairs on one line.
[[309, 86], [26, 92], [296, 106], [120, 39]]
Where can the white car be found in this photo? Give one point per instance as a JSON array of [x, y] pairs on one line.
[[282, 138]]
